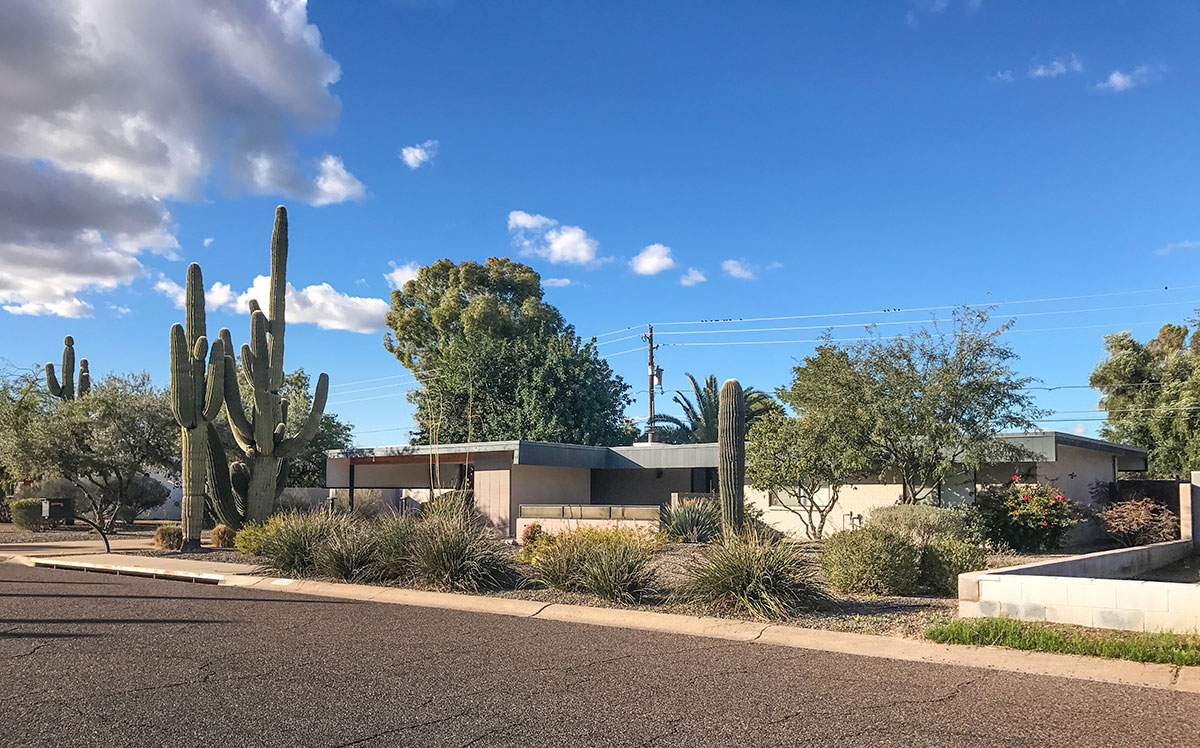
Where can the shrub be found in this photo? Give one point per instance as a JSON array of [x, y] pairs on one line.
[[394, 547], [944, 559], [1139, 522], [533, 539], [612, 563], [348, 553], [872, 561], [691, 521], [920, 523], [1026, 516], [450, 504], [250, 539], [291, 545], [452, 552], [27, 514], [168, 537], [755, 575], [222, 536]]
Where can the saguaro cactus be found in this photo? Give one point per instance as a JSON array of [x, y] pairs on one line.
[[196, 399], [731, 455], [261, 435], [67, 390]]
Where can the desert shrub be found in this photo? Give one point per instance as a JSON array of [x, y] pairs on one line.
[[1026, 516], [348, 552], [920, 523], [222, 536], [291, 545], [613, 563], [943, 559], [753, 575], [27, 514], [250, 539], [168, 537], [452, 552], [872, 561], [450, 504], [691, 521], [394, 547], [533, 539], [1139, 522]]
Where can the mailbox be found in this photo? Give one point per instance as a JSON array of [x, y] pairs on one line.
[[58, 509]]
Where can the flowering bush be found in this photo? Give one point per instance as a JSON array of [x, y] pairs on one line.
[[1027, 516]]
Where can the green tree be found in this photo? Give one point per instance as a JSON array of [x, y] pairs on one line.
[[494, 361], [803, 463], [104, 443], [699, 422], [1151, 392], [926, 406]]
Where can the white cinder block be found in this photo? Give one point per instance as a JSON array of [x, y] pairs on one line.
[[1176, 623], [1144, 596], [1184, 598], [1044, 590], [1023, 611], [1003, 590], [1093, 593], [968, 609], [1111, 618], [1069, 614]]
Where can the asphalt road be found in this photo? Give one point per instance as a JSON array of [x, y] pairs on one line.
[[97, 660]]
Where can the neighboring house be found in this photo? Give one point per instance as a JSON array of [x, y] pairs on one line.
[[542, 481]]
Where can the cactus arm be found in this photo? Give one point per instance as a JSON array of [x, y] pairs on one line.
[[279, 253], [52, 381], [183, 397], [243, 431], [239, 477], [731, 455], [193, 305], [199, 352], [293, 446], [214, 390], [85, 379], [67, 387], [247, 365], [224, 504]]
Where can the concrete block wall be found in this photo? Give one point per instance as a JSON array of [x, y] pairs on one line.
[[1094, 589]]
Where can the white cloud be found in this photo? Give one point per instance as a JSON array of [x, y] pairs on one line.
[[416, 156], [401, 274], [208, 240], [556, 282], [1002, 76], [538, 235], [1056, 67], [1167, 249], [129, 104], [218, 296], [323, 306], [1118, 81], [655, 258], [119, 311], [933, 7], [738, 269], [692, 277], [1079, 429]]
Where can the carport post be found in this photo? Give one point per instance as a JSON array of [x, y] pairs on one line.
[[1189, 510], [350, 497]]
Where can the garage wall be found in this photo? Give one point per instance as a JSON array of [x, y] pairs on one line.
[[493, 488]]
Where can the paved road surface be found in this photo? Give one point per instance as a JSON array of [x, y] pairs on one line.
[[98, 660]]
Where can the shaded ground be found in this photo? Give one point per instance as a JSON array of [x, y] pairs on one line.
[[217, 555], [1186, 571], [10, 533], [106, 660]]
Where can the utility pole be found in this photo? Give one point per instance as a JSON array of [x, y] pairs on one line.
[[655, 374]]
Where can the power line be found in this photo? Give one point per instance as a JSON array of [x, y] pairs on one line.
[[631, 350]]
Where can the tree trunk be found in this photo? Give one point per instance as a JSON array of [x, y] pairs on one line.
[[264, 478], [194, 453]]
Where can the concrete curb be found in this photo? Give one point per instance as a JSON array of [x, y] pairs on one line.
[[1122, 672]]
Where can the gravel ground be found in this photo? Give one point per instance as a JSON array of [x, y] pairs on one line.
[[214, 555], [13, 534]]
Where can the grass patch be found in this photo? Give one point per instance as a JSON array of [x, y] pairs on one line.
[[1169, 649]]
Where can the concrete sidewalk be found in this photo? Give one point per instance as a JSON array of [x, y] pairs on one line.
[[1124, 672]]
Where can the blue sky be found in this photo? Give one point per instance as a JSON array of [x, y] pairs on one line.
[[803, 159]]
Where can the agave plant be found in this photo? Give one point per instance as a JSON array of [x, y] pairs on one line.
[[699, 422]]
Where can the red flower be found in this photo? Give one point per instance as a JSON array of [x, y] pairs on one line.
[[1045, 511], [1016, 477], [1025, 497], [1060, 497], [1043, 523]]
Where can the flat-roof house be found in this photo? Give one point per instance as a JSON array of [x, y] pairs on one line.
[[540, 480]]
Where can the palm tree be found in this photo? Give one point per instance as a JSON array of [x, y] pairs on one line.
[[699, 422]]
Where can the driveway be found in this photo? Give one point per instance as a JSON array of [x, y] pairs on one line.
[[98, 660]]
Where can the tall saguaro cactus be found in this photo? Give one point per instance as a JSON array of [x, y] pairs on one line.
[[196, 399], [67, 390], [261, 434], [731, 455]]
